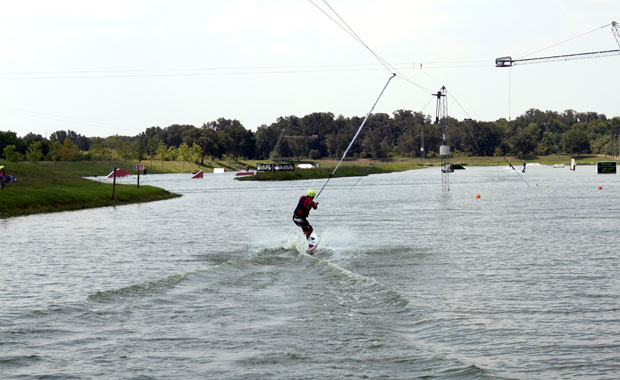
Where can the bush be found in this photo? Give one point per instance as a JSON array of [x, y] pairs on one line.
[[11, 153], [314, 154]]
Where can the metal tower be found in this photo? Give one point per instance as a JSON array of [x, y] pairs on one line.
[[615, 30], [441, 119]]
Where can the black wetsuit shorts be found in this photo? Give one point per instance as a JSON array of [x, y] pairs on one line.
[[302, 222]]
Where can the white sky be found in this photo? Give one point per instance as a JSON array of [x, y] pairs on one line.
[[118, 67]]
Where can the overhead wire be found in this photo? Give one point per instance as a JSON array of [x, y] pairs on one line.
[[61, 118], [451, 90], [222, 71], [567, 40], [427, 103], [215, 71], [356, 134], [250, 69], [389, 67], [362, 176], [351, 32], [459, 104]]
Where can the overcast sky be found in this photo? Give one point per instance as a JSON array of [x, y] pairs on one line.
[[118, 67]]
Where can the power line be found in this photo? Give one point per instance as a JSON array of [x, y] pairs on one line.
[[154, 73], [198, 69], [61, 118], [232, 70], [352, 33]]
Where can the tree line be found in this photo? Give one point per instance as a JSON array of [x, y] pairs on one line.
[[322, 135]]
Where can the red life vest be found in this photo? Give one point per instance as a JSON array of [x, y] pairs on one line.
[[301, 209]]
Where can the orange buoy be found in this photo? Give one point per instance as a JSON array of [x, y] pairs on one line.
[[600, 187], [477, 196]]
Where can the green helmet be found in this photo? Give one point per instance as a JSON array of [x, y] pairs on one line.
[[311, 193]]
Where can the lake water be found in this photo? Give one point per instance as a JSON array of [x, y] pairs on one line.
[[407, 282]]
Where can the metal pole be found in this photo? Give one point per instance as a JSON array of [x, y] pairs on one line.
[[114, 183], [354, 137]]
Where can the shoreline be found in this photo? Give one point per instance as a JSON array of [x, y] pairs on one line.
[[57, 187], [42, 189]]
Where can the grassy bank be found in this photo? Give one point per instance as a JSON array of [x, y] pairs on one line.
[[323, 172], [99, 168], [51, 188]]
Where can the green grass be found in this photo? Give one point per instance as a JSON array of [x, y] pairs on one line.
[[52, 188], [99, 168]]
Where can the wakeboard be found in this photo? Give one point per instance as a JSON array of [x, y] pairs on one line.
[[313, 241]]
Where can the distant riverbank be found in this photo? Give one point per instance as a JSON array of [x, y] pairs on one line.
[[362, 167], [53, 187]]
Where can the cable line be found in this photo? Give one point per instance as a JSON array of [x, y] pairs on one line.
[[365, 174], [61, 118], [513, 168], [457, 102], [507, 61], [356, 134], [570, 39], [344, 26], [350, 31]]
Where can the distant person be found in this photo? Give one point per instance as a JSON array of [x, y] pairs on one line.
[[2, 177], [145, 170], [305, 204], [523, 170]]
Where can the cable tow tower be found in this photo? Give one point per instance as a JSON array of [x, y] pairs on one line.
[[507, 61], [441, 119]]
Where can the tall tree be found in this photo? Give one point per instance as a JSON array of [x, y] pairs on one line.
[[35, 152], [69, 151], [11, 153], [266, 139], [8, 138], [162, 152], [31, 137], [523, 142], [576, 141], [98, 150]]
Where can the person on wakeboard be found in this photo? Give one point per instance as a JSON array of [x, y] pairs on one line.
[[305, 204]]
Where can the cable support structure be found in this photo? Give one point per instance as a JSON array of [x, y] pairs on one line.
[[356, 134], [507, 61], [344, 26]]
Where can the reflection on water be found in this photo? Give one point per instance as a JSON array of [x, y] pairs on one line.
[[407, 281]]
